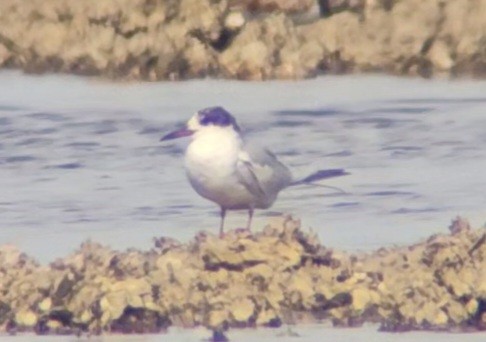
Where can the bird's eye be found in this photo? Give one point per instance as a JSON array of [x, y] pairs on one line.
[[204, 119]]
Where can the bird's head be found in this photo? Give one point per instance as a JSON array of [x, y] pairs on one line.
[[204, 119]]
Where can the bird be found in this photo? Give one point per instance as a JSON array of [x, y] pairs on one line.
[[230, 170]]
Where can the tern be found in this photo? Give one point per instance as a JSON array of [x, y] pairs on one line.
[[224, 167]]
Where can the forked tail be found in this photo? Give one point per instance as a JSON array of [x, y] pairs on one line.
[[320, 175]]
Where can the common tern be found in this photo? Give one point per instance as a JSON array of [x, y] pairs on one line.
[[223, 167]]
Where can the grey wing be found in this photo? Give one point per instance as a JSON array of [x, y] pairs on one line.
[[247, 175], [261, 172]]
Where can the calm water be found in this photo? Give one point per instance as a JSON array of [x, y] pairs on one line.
[[301, 333], [81, 159]]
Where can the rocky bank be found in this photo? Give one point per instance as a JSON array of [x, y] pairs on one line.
[[280, 275], [243, 39]]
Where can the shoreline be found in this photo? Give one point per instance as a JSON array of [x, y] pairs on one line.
[[151, 41], [271, 278]]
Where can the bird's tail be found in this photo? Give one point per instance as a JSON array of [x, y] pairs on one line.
[[320, 175]]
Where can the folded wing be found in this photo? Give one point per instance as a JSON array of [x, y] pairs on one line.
[[261, 173]]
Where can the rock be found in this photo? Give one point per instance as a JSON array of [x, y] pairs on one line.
[[217, 319], [45, 305], [440, 56], [300, 290], [472, 306], [112, 307], [242, 310], [4, 312], [26, 318], [329, 7], [53, 324], [139, 321], [234, 21], [10, 256], [5, 55], [268, 318], [430, 313], [279, 275], [361, 299], [244, 39], [459, 225], [299, 11], [289, 6]]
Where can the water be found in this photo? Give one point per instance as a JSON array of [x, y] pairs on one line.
[[81, 158], [301, 333]]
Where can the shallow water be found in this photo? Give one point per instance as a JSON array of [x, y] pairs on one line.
[[81, 158], [301, 333]]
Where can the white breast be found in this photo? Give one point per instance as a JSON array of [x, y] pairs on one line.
[[211, 167]]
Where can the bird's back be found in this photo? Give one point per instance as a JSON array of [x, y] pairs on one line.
[[234, 173], [263, 173]]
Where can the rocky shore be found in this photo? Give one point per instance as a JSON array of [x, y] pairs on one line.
[[243, 39], [280, 275]]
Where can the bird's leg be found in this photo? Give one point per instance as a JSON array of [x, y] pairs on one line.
[[250, 216], [221, 227]]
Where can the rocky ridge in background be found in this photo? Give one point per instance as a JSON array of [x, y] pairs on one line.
[[243, 39], [278, 276]]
